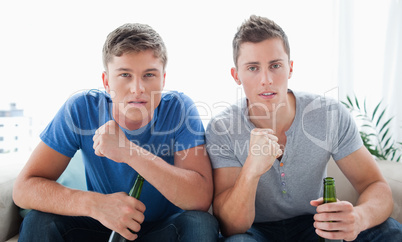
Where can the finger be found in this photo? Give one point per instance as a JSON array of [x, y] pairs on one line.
[[98, 152], [267, 131], [333, 235], [133, 226], [96, 142], [258, 131], [272, 137], [129, 235], [110, 127], [316, 202], [279, 153], [97, 148], [335, 207]]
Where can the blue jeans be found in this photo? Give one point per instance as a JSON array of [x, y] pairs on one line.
[[186, 226], [301, 229]]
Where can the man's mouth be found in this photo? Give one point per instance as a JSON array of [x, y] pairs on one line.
[[267, 94], [137, 103]]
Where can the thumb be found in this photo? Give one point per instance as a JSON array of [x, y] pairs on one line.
[[316, 202]]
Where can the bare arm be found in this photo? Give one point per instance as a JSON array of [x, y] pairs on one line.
[[373, 207], [235, 187], [187, 184], [234, 202], [36, 188]]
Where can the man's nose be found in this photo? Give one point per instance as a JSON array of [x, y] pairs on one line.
[[137, 86], [266, 78]]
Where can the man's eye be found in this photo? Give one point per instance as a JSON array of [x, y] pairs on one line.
[[252, 68], [275, 66], [125, 75], [149, 75]]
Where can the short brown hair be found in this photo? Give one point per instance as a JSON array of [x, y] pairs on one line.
[[255, 30], [133, 37]]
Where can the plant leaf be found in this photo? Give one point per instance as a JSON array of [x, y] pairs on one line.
[[385, 134], [379, 118], [375, 110], [386, 142], [350, 101], [365, 108], [346, 105], [357, 103], [386, 123]]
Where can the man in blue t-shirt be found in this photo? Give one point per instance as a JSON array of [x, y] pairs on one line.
[[131, 128]]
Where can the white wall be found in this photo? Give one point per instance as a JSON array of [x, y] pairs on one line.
[[52, 49]]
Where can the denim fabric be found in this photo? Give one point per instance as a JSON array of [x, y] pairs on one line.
[[187, 226], [301, 229]]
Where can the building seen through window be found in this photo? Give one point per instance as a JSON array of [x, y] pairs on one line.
[[15, 130]]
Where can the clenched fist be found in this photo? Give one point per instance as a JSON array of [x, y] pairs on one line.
[[263, 151], [111, 142]]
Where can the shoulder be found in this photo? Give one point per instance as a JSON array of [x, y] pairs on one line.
[[306, 98], [231, 117], [175, 97], [310, 102], [92, 96], [174, 103]]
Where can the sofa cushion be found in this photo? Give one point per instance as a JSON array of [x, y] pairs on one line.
[[8, 211], [392, 173]]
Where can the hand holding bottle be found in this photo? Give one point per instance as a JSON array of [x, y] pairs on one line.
[[119, 212], [335, 219], [127, 231]]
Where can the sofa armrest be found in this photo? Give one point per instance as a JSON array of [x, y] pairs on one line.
[[392, 171], [9, 212]]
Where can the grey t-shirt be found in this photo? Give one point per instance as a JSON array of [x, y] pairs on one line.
[[322, 128]]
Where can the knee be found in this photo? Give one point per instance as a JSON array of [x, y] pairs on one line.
[[201, 223], [392, 227], [198, 217], [239, 238], [387, 231], [36, 221]]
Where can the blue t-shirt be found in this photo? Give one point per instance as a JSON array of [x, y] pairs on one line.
[[175, 126]]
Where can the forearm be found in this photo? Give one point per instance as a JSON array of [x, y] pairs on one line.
[[235, 208], [185, 188], [375, 204], [51, 197]]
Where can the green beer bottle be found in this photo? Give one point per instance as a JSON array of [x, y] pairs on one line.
[[329, 197], [135, 192]]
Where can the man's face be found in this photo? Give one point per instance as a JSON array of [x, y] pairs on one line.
[[135, 82], [263, 69]]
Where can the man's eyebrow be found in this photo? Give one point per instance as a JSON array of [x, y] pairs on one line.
[[130, 70], [124, 69], [258, 63], [151, 69], [276, 60], [252, 63]]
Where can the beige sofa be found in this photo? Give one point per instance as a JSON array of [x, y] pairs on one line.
[[10, 219]]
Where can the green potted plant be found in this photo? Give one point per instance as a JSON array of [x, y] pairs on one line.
[[375, 130]]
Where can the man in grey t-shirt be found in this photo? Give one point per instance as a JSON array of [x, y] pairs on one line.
[[270, 151]]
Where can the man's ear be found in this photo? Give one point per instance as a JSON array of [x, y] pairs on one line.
[[235, 75], [290, 69], [105, 80], [164, 78]]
